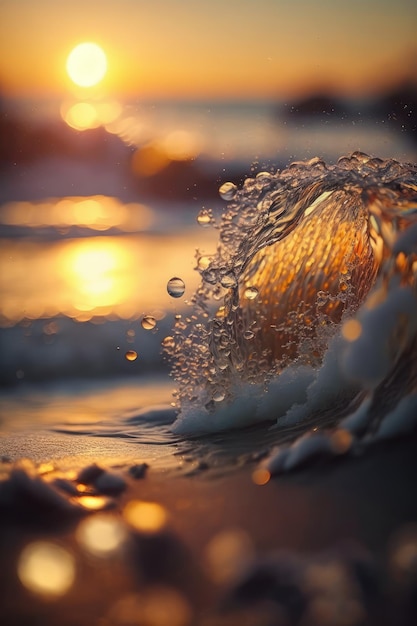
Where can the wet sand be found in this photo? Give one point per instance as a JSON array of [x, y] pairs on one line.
[[354, 518]]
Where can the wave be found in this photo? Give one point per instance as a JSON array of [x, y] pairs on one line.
[[307, 311]]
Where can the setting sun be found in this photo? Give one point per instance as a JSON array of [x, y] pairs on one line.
[[86, 64]]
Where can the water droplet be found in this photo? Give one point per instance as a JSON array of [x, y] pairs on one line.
[[218, 395], [264, 176], [168, 342], [249, 334], [203, 262], [322, 298], [176, 287], [251, 293], [204, 218], [228, 191], [210, 276], [131, 355], [148, 322], [228, 280]]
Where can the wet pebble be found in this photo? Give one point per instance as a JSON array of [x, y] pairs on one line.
[[307, 589], [277, 581], [109, 483], [26, 497], [89, 474], [138, 471], [65, 485]]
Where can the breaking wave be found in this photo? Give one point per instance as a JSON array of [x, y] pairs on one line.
[[307, 311]]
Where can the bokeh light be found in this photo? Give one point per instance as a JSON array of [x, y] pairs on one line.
[[94, 503], [261, 476], [227, 553], [91, 114], [82, 115], [46, 568], [352, 330], [101, 535], [146, 517]]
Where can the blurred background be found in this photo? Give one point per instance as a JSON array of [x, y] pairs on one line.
[[120, 120]]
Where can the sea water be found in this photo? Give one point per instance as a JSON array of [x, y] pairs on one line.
[[302, 316]]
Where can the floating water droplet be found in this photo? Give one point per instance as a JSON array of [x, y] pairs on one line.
[[210, 276], [203, 262], [264, 176], [228, 280], [204, 218], [228, 191], [218, 395], [322, 298], [251, 293], [176, 287], [148, 322], [131, 355], [168, 342]]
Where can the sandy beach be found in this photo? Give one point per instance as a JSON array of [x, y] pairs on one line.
[[336, 544]]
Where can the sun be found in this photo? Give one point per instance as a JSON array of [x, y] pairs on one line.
[[86, 64]]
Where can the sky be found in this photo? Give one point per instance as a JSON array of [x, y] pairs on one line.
[[210, 49]]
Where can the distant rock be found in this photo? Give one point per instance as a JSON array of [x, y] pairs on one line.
[[317, 105]]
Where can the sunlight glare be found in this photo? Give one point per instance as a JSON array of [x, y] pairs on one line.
[[86, 64], [95, 270]]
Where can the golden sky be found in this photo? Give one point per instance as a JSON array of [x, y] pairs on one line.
[[213, 48]]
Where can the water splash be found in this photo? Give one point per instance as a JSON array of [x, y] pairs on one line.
[[301, 251]]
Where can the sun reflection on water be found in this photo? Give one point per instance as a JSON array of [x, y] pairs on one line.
[[92, 270], [54, 269], [99, 213]]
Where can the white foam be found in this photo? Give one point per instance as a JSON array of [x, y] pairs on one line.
[[286, 391], [195, 418], [289, 398], [401, 420], [386, 329]]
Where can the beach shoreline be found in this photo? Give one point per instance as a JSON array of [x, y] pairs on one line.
[[352, 506]]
